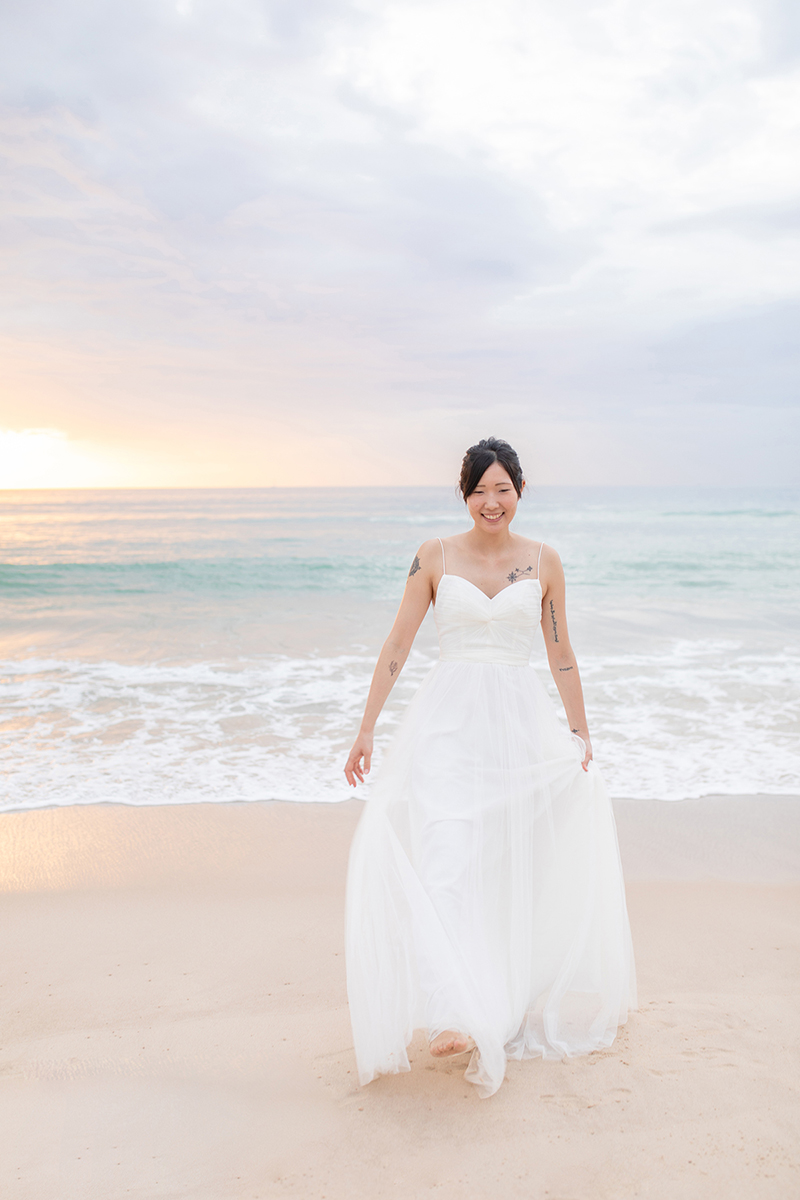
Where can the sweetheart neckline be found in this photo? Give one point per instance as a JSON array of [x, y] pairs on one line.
[[474, 586]]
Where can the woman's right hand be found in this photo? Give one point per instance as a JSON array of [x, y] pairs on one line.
[[358, 763]]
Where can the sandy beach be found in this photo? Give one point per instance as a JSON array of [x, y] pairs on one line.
[[175, 1021]]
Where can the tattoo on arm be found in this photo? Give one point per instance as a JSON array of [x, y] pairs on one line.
[[392, 667], [553, 619], [564, 668], [518, 572], [415, 566], [574, 731]]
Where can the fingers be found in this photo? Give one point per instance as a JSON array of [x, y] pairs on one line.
[[359, 761], [353, 771]]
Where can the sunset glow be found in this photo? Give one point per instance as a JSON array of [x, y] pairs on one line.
[[43, 458], [50, 458], [317, 241]]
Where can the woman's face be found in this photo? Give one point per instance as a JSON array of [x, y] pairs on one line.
[[493, 503]]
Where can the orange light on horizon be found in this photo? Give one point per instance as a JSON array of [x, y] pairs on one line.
[[49, 458], [279, 456]]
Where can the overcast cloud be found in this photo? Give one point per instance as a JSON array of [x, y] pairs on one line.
[[369, 232]]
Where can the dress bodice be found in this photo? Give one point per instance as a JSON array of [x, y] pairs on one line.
[[474, 628]]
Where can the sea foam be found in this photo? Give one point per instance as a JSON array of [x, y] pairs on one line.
[[694, 720]]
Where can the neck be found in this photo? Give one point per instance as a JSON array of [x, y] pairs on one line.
[[490, 544]]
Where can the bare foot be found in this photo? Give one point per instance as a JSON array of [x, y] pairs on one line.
[[449, 1043]]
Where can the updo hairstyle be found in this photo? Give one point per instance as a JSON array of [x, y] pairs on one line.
[[480, 457]]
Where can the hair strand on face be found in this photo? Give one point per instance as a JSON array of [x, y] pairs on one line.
[[481, 456]]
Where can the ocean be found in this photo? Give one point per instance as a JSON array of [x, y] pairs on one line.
[[167, 647]]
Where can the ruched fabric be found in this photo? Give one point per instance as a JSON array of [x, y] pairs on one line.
[[485, 892]]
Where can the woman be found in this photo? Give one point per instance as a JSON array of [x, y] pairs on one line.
[[485, 899]]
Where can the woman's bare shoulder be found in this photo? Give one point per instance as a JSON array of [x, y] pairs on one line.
[[451, 539], [531, 545], [551, 572], [426, 557], [434, 545], [549, 553], [431, 547]]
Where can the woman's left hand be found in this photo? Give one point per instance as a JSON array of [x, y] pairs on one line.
[[360, 759], [587, 758]]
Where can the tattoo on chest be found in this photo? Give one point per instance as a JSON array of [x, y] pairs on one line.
[[415, 566], [553, 619], [518, 572]]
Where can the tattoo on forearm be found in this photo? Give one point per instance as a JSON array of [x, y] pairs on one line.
[[553, 619], [564, 668], [518, 572], [392, 667], [415, 566], [574, 731]]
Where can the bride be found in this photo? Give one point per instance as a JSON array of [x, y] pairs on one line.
[[485, 900]]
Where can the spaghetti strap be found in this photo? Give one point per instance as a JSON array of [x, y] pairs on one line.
[[444, 565], [539, 559]]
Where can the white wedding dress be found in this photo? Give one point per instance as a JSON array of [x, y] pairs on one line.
[[485, 892]]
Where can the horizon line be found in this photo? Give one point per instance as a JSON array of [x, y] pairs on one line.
[[276, 487]]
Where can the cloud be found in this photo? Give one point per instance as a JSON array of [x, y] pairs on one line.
[[352, 216]]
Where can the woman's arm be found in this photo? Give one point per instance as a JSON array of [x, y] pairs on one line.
[[559, 651], [392, 658]]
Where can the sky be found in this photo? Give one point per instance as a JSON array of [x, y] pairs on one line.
[[323, 242]]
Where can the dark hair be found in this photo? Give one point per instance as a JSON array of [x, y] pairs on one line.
[[480, 457]]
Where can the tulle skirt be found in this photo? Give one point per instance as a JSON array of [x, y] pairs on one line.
[[485, 892]]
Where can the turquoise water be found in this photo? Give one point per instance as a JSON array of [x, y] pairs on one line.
[[180, 645], [650, 541]]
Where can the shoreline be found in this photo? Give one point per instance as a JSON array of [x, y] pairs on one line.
[[746, 838], [176, 1025]]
